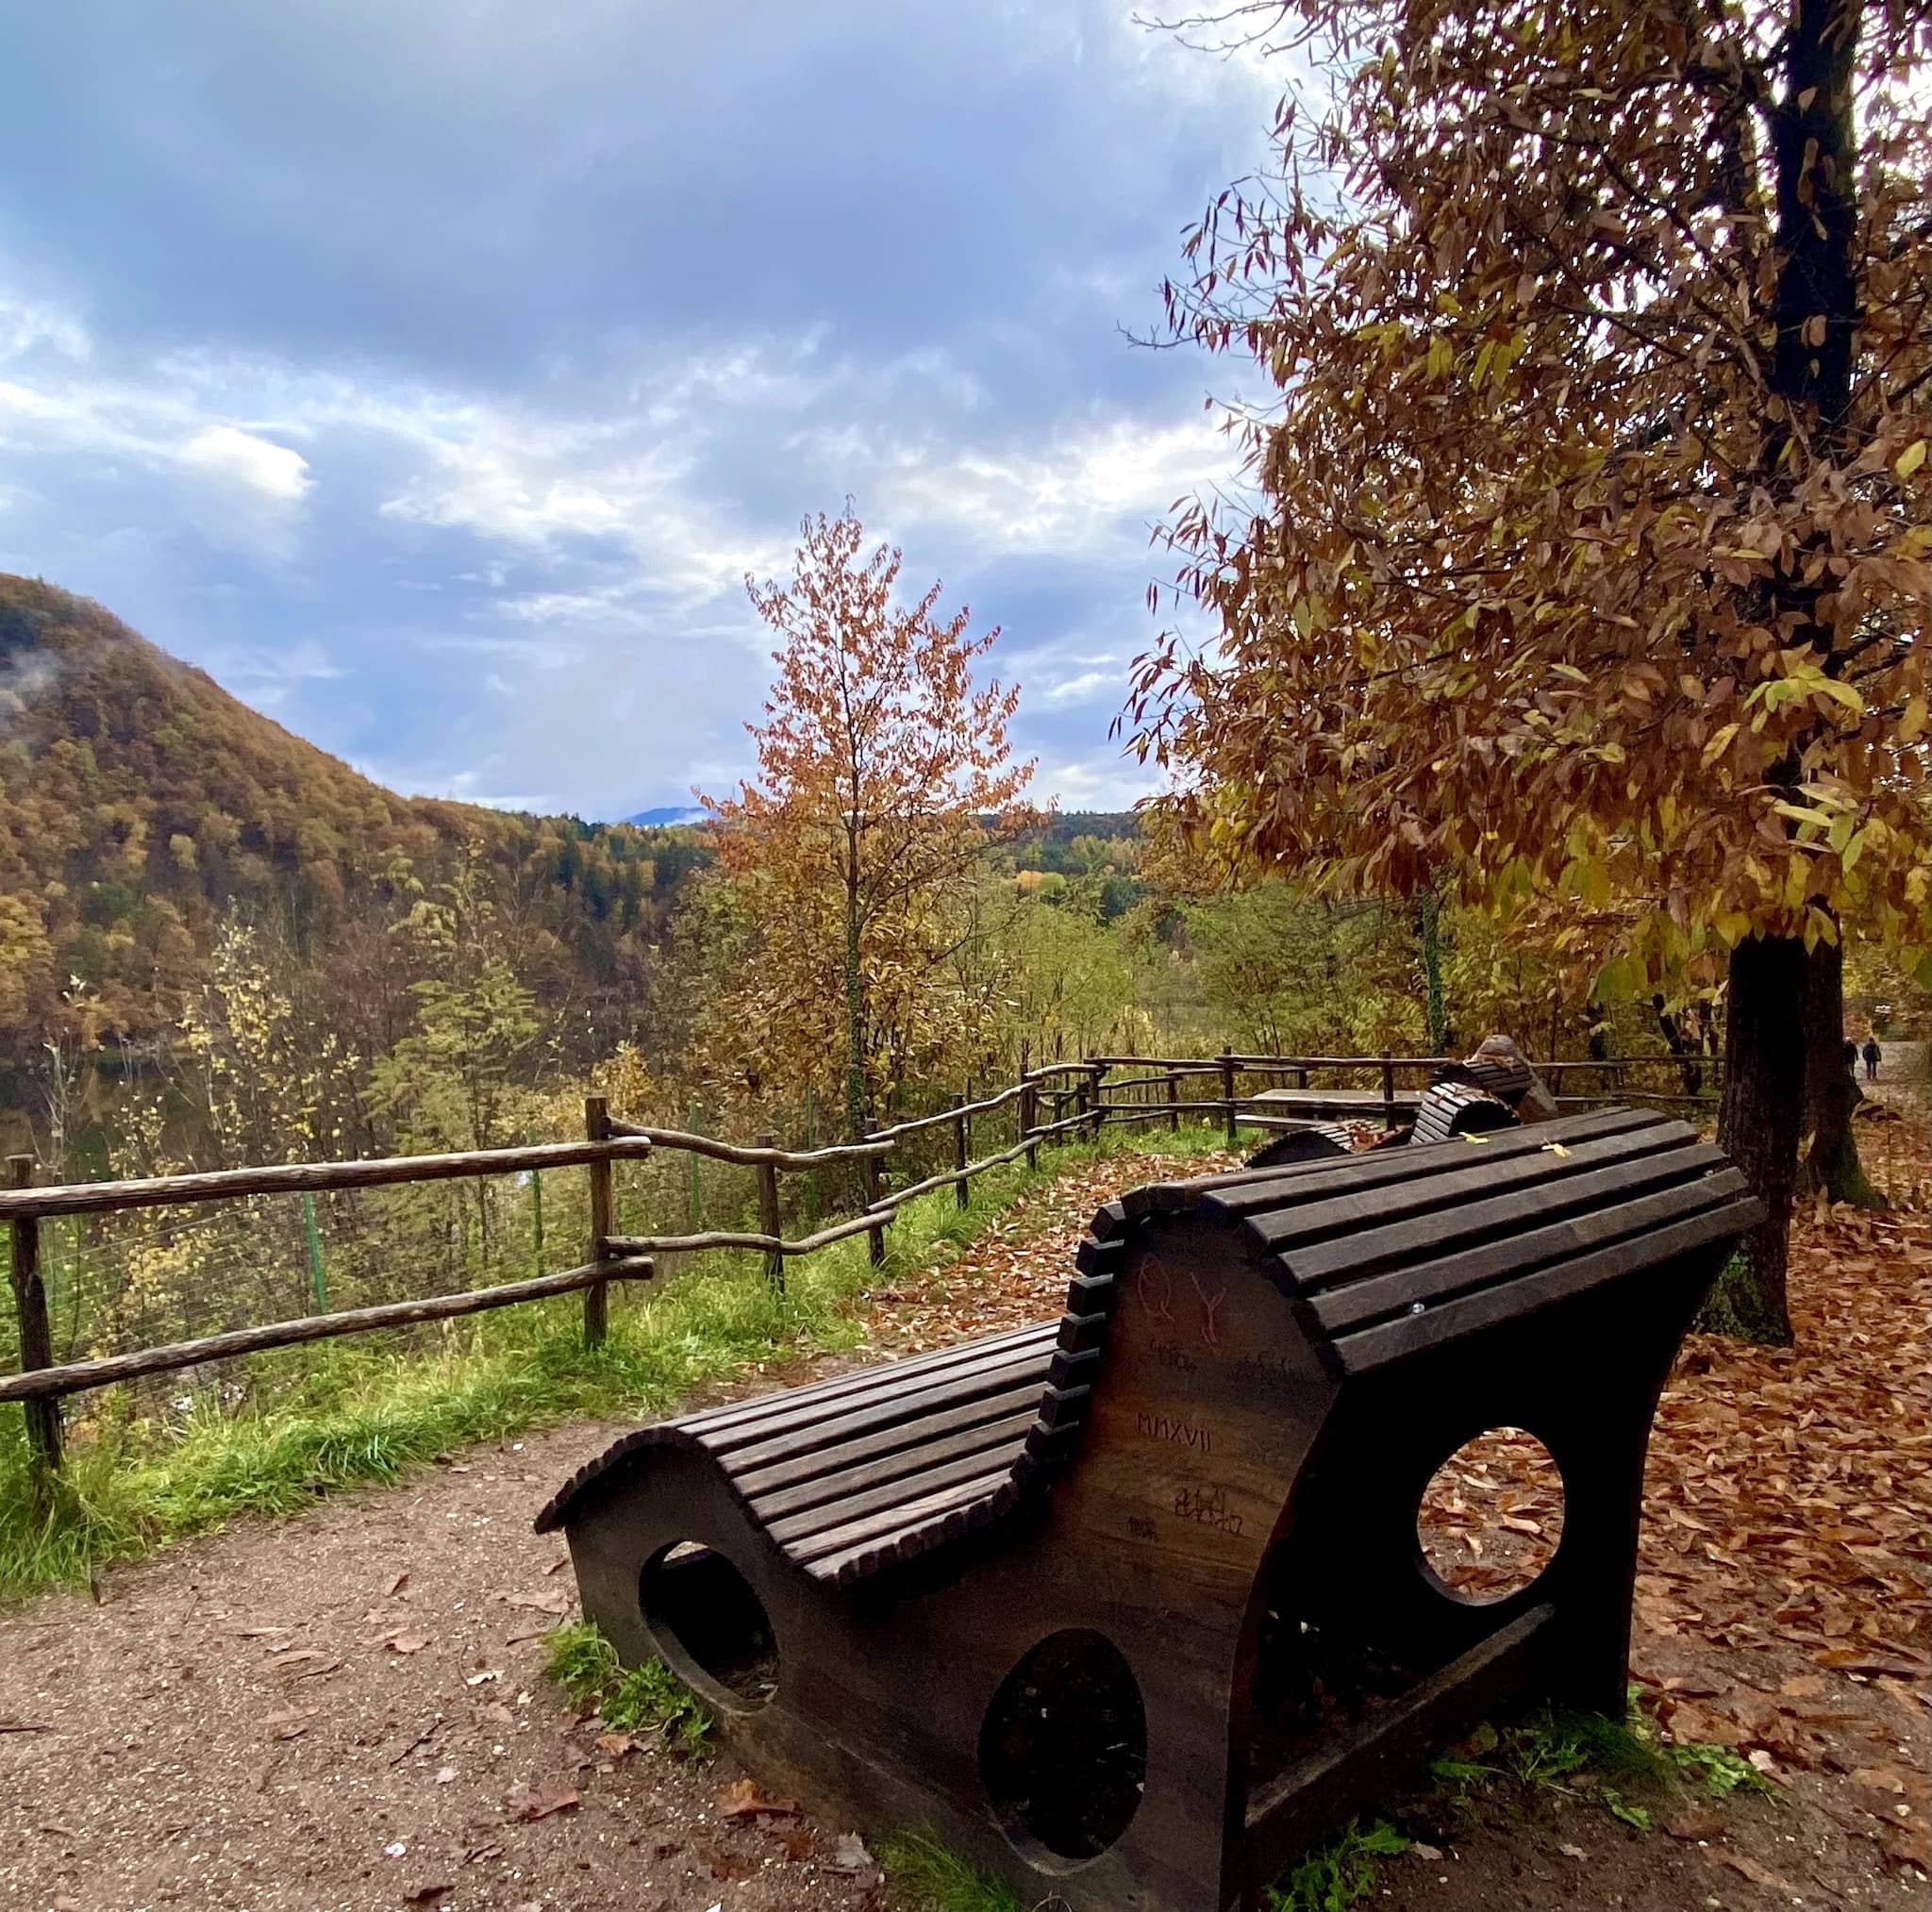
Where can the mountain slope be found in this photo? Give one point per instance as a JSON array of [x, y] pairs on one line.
[[139, 802]]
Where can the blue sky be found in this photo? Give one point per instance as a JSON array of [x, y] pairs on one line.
[[432, 373]]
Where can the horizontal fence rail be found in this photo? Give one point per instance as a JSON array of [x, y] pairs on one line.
[[1056, 1103], [76, 1377]]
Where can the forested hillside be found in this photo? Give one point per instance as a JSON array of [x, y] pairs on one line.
[[141, 804]]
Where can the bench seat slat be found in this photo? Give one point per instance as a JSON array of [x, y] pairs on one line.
[[898, 1475], [1368, 1252], [1252, 1192], [864, 1534], [783, 1467], [735, 1414], [1343, 1310], [1459, 1179], [815, 1426], [1376, 1347]]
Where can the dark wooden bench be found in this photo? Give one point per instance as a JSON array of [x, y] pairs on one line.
[[1063, 1595]]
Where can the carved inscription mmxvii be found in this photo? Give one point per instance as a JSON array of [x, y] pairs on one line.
[[1181, 1433]]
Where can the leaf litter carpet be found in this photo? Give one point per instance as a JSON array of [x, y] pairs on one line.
[[348, 1710]]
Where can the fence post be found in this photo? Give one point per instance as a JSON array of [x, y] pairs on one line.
[[597, 1296], [318, 1279], [1388, 1090], [536, 1220], [1228, 1091], [1173, 1102], [1029, 1116], [961, 1157], [36, 1336], [876, 1237], [769, 1220], [1096, 1077]]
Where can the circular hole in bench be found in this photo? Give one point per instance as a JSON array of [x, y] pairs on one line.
[[710, 1625], [1063, 1747], [1491, 1516]]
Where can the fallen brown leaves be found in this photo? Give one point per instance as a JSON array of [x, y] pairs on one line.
[[540, 1801], [1016, 1272], [1785, 1499]]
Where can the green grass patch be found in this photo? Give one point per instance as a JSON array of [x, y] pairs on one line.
[[1342, 1873], [1718, 1769], [934, 1879], [314, 1420], [646, 1699], [1621, 1765]]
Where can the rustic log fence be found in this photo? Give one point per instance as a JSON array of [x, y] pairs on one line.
[[1056, 1103]]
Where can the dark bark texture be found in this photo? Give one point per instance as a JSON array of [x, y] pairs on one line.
[[1831, 1091], [1761, 1121]]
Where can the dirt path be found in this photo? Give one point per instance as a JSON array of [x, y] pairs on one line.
[[272, 1718]]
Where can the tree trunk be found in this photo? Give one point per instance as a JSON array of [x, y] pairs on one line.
[[1688, 1060], [1761, 1118], [855, 999], [1831, 1089], [1431, 926], [1759, 1121]]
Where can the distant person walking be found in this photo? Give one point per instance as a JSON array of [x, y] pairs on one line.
[[1872, 1052], [1851, 1058]]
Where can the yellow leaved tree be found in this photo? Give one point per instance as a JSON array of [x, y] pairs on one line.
[[882, 773], [1587, 570]]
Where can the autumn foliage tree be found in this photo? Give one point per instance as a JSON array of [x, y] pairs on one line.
[[880, 767], [1589, 540]]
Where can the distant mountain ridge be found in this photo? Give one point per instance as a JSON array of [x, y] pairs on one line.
[[669, 817], [139, 803]]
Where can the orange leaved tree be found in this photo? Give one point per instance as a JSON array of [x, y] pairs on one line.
[[1590, 542], [882, 768]]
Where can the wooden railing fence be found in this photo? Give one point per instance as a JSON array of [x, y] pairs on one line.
[[1056, 1103]]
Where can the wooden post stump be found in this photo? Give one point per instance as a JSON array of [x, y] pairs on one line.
[[603, 1221], [35, 1333], [961, 1157], [875, 1241], [769, 1219]]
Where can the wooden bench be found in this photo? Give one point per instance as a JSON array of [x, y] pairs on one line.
[[1053, 1594]]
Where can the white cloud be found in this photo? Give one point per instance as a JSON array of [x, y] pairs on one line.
[[229, 456], [25, 326], [1093, 491], [597, 542], [1115, 783], [1088, 684]]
